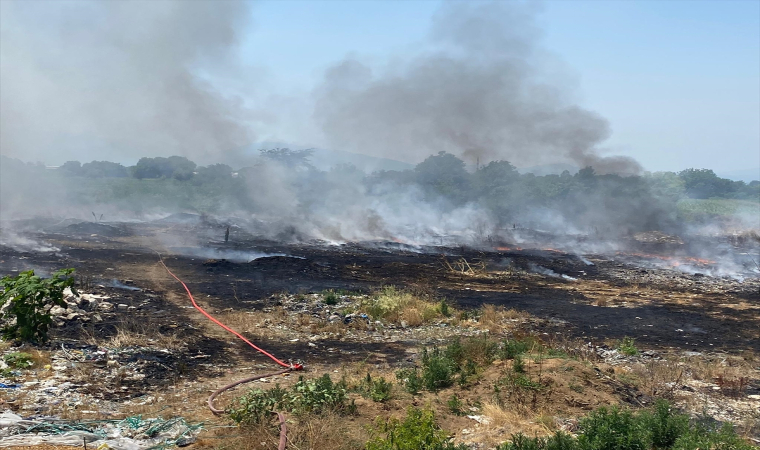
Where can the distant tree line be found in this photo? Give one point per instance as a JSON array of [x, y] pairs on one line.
[[648, 201], [443, 174]]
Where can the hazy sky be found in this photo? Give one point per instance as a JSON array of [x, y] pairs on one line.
[[679, 81]]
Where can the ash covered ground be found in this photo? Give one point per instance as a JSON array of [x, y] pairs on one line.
[[133, 343]]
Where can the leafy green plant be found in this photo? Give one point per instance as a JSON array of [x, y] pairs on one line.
[[518, 365], [661, 428], [330, 297], [512, 348], [418, 431], [304, 397], [438, 369], [444, 307], [612, 428], [26, 301], [628, 346], [456, 406], [665, 424], [519, 381], [457, 362], [376, 389], [18, 360], [557, 441], [411, 380]]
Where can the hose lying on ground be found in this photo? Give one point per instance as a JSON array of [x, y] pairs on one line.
[[288, 367]]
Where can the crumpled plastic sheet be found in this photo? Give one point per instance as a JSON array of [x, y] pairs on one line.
[[143, 434]]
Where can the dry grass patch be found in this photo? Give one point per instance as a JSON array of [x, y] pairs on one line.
[[396, 306], [660, 379], [139, 332], [311, 432], [503, 422], [249, 322], [496, 319]]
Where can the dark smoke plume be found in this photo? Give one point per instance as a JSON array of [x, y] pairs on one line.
[[480, 95], [117, 78]]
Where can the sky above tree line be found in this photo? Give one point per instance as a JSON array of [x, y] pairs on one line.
[[679, 81], [670, 84]]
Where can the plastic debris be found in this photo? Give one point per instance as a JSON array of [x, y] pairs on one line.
[[132, 433]]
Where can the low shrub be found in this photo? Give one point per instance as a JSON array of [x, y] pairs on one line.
[[18, 360], [25, 302], [456, 406], [512, 348], [444, 309], [438, 369], [418, 431], [518, 365], [376, 389], [457, 362], [628, 347], [330, 298], [661, 428], [410, 379], [306, 396]]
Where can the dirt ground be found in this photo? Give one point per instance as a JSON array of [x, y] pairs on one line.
[[581, 304]]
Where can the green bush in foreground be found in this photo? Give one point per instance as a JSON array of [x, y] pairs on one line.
[[376, 389], [442, 367], [418, 431], [26, 300], [306, 396], [661, 428]]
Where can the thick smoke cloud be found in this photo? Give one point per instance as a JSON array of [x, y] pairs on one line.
[[481, 95], [118, 79]]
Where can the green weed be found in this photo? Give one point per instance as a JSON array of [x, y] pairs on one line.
[[376, 389], [628, 347], [418, 431], [306, 396]]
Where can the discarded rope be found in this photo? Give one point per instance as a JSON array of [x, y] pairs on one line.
[[288, 367]]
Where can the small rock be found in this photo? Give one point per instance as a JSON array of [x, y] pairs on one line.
[[122, 307], [105, 306]]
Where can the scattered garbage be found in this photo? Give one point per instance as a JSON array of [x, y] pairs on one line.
[[132, 433]]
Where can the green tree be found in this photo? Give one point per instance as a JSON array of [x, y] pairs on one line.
[[103, 169], [703, 183], [177, 167], [444, 174], [71, 168]]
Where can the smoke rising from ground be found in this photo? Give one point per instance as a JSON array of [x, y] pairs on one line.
[[131, 79], [121, 80], [481, 95], [118, 79]]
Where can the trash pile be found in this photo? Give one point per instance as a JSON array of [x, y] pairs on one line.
[[132, 433], [86, 308]]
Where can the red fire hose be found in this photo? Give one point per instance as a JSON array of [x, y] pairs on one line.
[[288, 367]]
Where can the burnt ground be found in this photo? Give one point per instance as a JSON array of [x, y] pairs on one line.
[[689, 312], [274, 293]]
